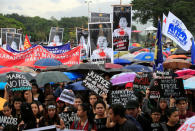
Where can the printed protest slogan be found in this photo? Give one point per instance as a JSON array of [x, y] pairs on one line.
[[67, 96], [29, 57], [68, 118], [121, 27], [96, 83], [100, 17], [5, 120]]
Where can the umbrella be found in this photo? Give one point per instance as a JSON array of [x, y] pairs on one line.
[[84, 68], [110, 66], [114, 71], [121, 61], [2, 85], [184, 77], [51, 76], [178, 57], [72, 75], [128, 56], [9, 69], [77, 86], [176, 64], [123, 78], [185, 72], [138, 68], [189, 83], [136, 45], [28, 76], [47, 62], [25, 69], [56, 68], [145, 56], [132, 50], [180, 51]]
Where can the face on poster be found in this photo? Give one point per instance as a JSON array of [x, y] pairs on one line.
[[4, 31], [101, 41], [121, 27], [100, 17], [13, 40], [56, 34]]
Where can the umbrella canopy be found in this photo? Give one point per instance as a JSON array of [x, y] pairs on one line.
[[128, 56], [47, 62], [176, 64], [77, 86], [136, 45], [2, 85], [185, 72], [121, 61], [145, 56], [123, 78], [28, 76], [110, 66], [184, 77], [56, 68], [177, 57], [72, 75], [114, 71], [189, 83], [180, 51], [25, 69], [51, 76], [138, 68], [132, 50], [9, 69]]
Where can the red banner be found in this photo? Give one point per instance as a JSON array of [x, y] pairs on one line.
[[29, 57]]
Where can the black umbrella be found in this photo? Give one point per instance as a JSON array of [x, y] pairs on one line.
[[28, 76], [61, 68], [180, 51], [132, 50]]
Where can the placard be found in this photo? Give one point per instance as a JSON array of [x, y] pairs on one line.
[[8, 120], [14, 40], [3, 33], [100, 17], [68, 118], [141, 81], [67, 96], [164, 75], [96, 83], [121, 27], [17, 82], [122, 96], [56, 36]]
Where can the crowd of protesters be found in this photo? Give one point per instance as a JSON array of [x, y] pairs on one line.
[[41, 107]]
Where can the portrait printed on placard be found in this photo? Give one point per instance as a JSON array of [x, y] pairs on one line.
[[14, 40], [121, 27], [56, 36], [101, 42], [3, 34]]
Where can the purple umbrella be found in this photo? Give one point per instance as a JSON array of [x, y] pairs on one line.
[[123, 78]]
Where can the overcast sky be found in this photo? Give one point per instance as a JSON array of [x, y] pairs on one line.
[[57, 8]]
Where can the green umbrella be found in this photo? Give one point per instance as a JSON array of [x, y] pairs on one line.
[[51, 76]]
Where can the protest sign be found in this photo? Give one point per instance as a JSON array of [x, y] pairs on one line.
[[29, 57], [100, 17], [121, 27], [67, 96], [5, 120], [122, 96], [3, 33], [141, 81], [68, 118], [189, 125], [17, 82], [14, 40], [56, 34], [164, 75], [96, 83], [50, 128]]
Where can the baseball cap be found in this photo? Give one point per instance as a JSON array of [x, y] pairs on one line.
[[130, 84], [131, 104]]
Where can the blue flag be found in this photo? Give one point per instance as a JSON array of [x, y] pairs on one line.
[[193, 52], [158, 56]]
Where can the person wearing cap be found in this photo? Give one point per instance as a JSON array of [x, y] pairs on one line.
[[129, 86], [182, 106], [133, 112]]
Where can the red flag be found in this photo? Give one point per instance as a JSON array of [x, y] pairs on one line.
[[26, 43]]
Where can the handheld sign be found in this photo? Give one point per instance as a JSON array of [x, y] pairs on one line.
[[67, 96], [96, 83], [122, 96], [68, 118], [164, 75], [17, 82], [4, 120]]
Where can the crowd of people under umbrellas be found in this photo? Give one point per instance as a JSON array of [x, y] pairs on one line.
[[41, 107]]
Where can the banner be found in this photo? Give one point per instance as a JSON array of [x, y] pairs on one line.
[[82, 40], [100, 17], [56, 36], [52, 49], [121, 27], [67, 96], [96, 83], [68, 118], [189, 125], [3, 33], [101, 42], [50, 128], [177, 31], [17, 82], [29, 57], [13, 40], [122, 96]]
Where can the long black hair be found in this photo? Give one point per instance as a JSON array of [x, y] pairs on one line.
[[86, 107]]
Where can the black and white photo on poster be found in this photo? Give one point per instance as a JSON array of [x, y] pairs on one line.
[[3, 34], [67, 96], [14, 40], [56, 36], [99, 17], [82, 40], [121, 27], [101, 42]]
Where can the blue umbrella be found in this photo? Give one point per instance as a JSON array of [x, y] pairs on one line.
[[2, 85], [77, 86], [47, 62], [72, 75], [121, 61], [145, 56], [138, 68]]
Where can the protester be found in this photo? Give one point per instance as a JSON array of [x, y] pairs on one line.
[[77, 101], [60, 105], [36, 112], [37, 93], [92, 99], [163, 106], [155, 120]]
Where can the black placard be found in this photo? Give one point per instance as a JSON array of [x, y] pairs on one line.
[[17, 82], [68, 118], [122, 96], [142, 81], [164, 75], [96, 83]]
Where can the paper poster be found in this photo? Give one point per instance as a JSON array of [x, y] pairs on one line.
[[4, 31], [56, 36], [67, 96], [14, 40]]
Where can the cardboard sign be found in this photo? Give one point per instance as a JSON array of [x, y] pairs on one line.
[[17, 82], [8, 120], [68, 118], [96, 83], [164, 75], [122, 96], [67, 96], [141, 82]]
